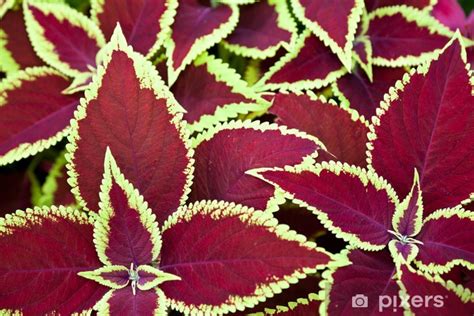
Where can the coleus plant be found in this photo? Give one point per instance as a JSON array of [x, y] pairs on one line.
[[137, 254], [422, 161]]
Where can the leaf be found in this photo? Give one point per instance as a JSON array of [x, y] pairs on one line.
[[46, 248], [15, 190], [122, 302], [427, 5], [366, 278], [263, 28], [145, 24], [408, 216], [357, 206], [426, 124], [224, 154], [16, 51], [415, 40], [363, 95], [34, 114], [340, 130], [445, 299], [248, 249], [402, 252], [212, 92], [447, 240], [112, 276], [128, 109], [300, 220], [333, 22], [125, 232], [450, 13], [310, 65], [198, 26], [63, 37]]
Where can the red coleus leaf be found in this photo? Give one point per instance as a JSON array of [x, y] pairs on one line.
[[131, 111], [429, 295], [310, 65], [358, 287], [361, 93], [333, 22], [357, 206], [342, 133], [446, 240], [241, 257], [371, 5], [34, 114], [16, 51], [263, 28], [63, 37], [121, 302], [210, 92], [439, 145], [15, 190], [221, 166], [198, 25], [414, 40], [450, 13], [46, 248], [145, 24]]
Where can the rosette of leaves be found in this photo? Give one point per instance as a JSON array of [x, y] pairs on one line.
[[420, 149], [140, 250]]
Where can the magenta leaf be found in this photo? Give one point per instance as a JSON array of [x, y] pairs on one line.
[[144, 23], [333, 22], [15, 48], [221, 165], [357, 206], [438, 146], [310, 65], [34, 114], [415, 39], [198, 25], [444, 299], [371, 5], [450, 13], [246, 248], [446, 238], [63, 37], [46, 248], [358, 287], [364, 95], [122, 302], [342, 133], [131, 111], [263, 28]]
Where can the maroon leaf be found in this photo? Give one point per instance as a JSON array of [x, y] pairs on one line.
[[365, 95], [343, 136], [407, 220], [130, 110], [357, 288], [413, 41], [310, 65], [263, 28], [447, 240], [144, 23], [300, 220], [450, 13], [34, 114], [15, 190], [63, 37], [357, 206], [443, 301], [221, 166], [371, 5], [15, 48], [198, 25], [46, 248], [123, 302], [428, 126], [236, 244]]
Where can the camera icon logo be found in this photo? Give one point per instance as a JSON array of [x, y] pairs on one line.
[[360, 301]]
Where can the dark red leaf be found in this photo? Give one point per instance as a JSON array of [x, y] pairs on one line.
[[365, 95], [15, 190], [237, 255], [300, 220], [429, 126], [45, 250], [56, 190], [344, 137], [138, 123], [450, 13], [16, 50], [419, 4], [359, 212], [122, 302], [34, 114], [224, 155]]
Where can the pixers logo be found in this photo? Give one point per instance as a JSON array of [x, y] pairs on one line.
[[396, 303]]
